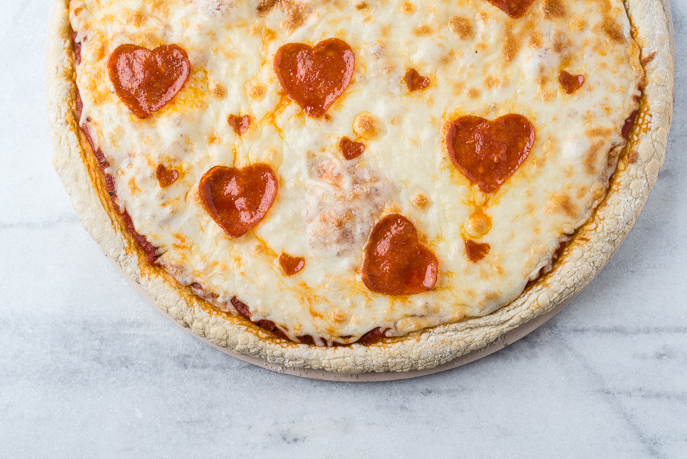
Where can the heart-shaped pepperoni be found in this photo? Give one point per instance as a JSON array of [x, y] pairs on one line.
[[166, 177], [350, 149], [290, 264], [147, 80], [239, 124], [415, 81], [315, 76], [237, 199], [489, 152], [395, 261], [569, 82], [475, 250], [513, 8]]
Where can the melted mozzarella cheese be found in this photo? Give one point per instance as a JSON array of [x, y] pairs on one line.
[[480, 62]]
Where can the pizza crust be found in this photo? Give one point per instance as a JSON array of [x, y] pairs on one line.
[[584, 257]]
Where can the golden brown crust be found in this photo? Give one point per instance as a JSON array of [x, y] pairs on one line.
[[587, 253]]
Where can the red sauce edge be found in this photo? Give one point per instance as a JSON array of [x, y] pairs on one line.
[[370, 337], [144, 244], [77, 48], [268, 325], [627, 127], [548, 268], [374, 335]]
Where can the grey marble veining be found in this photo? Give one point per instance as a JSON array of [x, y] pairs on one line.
[[88, 369]]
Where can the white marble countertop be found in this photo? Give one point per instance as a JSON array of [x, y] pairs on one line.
[[88, 369]]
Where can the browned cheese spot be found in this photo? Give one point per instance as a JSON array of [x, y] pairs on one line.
[[560, 42], [367, 126], [561, 203], [536, 39], [265, 6], [268, 34], [579, 25], [422, 31], [491, 82], [479, 224], [407, 8], [446, 58], [553, 9], [259, 248], [257, 92], [491, 296], [590, 159], [133, 187], [632, 156], [213, 138], [294, 15], [511, 47], [135, 18], [547, 96], [361, 6], [474, 93], [421, 201], [462, 27], [217, 90], [599, 132], [613, 30], [315, 313]]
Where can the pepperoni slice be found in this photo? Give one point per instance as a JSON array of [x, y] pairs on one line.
[[315, 76], [570, 83], [489, 152], [147, 80], [395, 261], [350, 149], [513, 8], [290, 264], [415, 81], [475, 250], [239, 123], [166, 177], [238, 199]]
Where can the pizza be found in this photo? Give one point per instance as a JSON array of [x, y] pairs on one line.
[[359, 185]]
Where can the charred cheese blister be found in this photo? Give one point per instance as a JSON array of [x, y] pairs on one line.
[[418, 69]]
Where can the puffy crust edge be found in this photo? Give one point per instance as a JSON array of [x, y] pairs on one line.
[[584, 257]]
